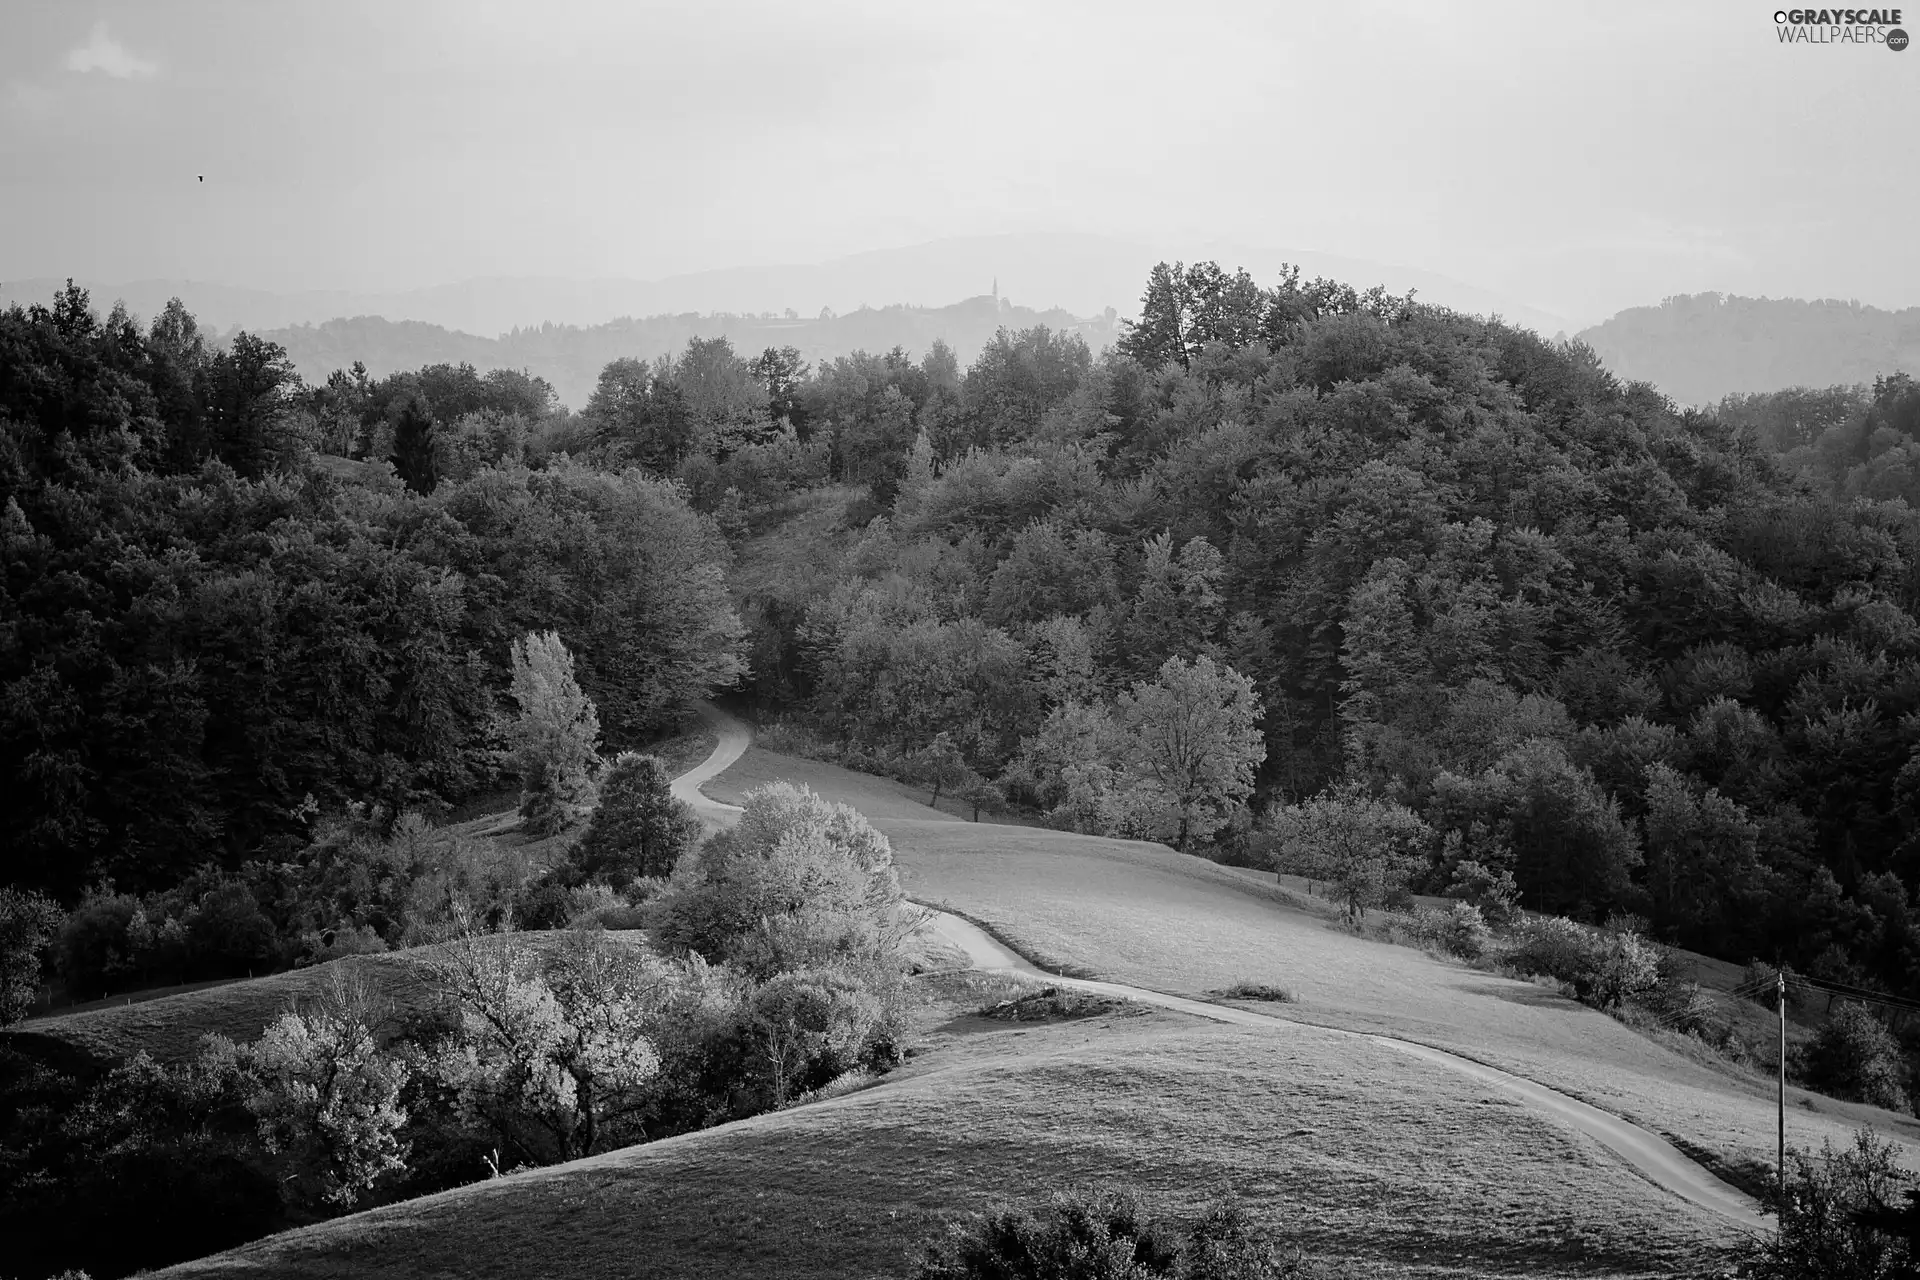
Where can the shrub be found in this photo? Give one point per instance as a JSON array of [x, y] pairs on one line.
[[597, 906], [317, 947], [1266, 991], [1842, 1219], [638, 828], [1552, 945], [28, 925], [1493, 892], [1106, 1236], [1854, 1056], [1459, 931], [1603, 968], [809, 1027]]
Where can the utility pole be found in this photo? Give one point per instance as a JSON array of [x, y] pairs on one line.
[[1780, 980]]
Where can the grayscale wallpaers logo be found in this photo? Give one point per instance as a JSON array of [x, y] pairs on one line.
[[1841, 26]]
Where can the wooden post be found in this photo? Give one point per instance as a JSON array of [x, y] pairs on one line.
[[1780, 1213]]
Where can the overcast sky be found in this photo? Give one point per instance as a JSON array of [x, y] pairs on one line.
[[1581, 157]]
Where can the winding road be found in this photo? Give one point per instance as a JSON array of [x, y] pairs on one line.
[[1648, 1154]]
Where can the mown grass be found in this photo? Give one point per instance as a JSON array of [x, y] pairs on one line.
[[1398, 1168], [1142, 914]]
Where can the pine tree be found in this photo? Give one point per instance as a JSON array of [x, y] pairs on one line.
[[556, 737], [413, 446]]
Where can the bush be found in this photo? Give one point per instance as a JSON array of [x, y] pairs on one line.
[[1854, 1056], [1106, 1236], [1493, 892], [1459, 931], [1604, 969], [596, 906], [809, 1027], [1265, 991], [1843, 1218], [1553, 946]]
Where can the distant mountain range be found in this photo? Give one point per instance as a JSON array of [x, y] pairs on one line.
[[1077, 273], [1700, 347], [1696, 348], [570, 357]]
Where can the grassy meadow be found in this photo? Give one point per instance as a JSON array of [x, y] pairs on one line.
[[1398, 1168]]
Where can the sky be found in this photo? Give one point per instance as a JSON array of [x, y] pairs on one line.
[[1582, 157]]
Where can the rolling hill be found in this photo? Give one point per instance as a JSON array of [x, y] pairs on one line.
[[1700, 347], [1394, 1167]]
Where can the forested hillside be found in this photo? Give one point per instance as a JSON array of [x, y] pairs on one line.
[[210, 638], [1613, 649], [1700, 347], [1278, 543]]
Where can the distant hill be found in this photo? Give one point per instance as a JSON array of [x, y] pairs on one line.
[[1082, 274], [1700, 347], [571, 357]]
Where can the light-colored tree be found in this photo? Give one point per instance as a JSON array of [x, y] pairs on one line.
[[798, 882], [325, 1095], [555, 738], [1193, 732], [554, 1057], [1364, 846]]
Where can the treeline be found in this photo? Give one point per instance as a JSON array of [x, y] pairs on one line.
[[214, 632]]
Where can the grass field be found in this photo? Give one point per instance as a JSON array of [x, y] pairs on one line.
[[1139, 913], [1398, 1168]]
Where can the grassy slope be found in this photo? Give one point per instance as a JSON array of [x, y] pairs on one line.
[[1139, 913], [1406, 1169], [171, 1027], [1401, 1167]]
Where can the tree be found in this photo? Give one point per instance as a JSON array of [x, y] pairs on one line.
[[1854, 1056], [638, 413], [1701, 855], [1365, 846], [638, 829], [414, 459], [29, 923], [782, 372], [1193, 731], [797, 883], [941, 767], [810, 1026], [556, 737], [326, 1097], [555, 1057]]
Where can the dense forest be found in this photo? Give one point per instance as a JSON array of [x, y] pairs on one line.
[[1700, 347], [1643, 660]]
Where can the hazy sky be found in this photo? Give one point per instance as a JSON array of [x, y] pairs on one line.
[[1579, 156]]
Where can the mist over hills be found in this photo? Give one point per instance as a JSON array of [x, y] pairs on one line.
[[1082, 274], [571, 357], [1700, 347]]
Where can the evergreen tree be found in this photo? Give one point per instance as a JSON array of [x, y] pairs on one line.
[[413, 446]]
